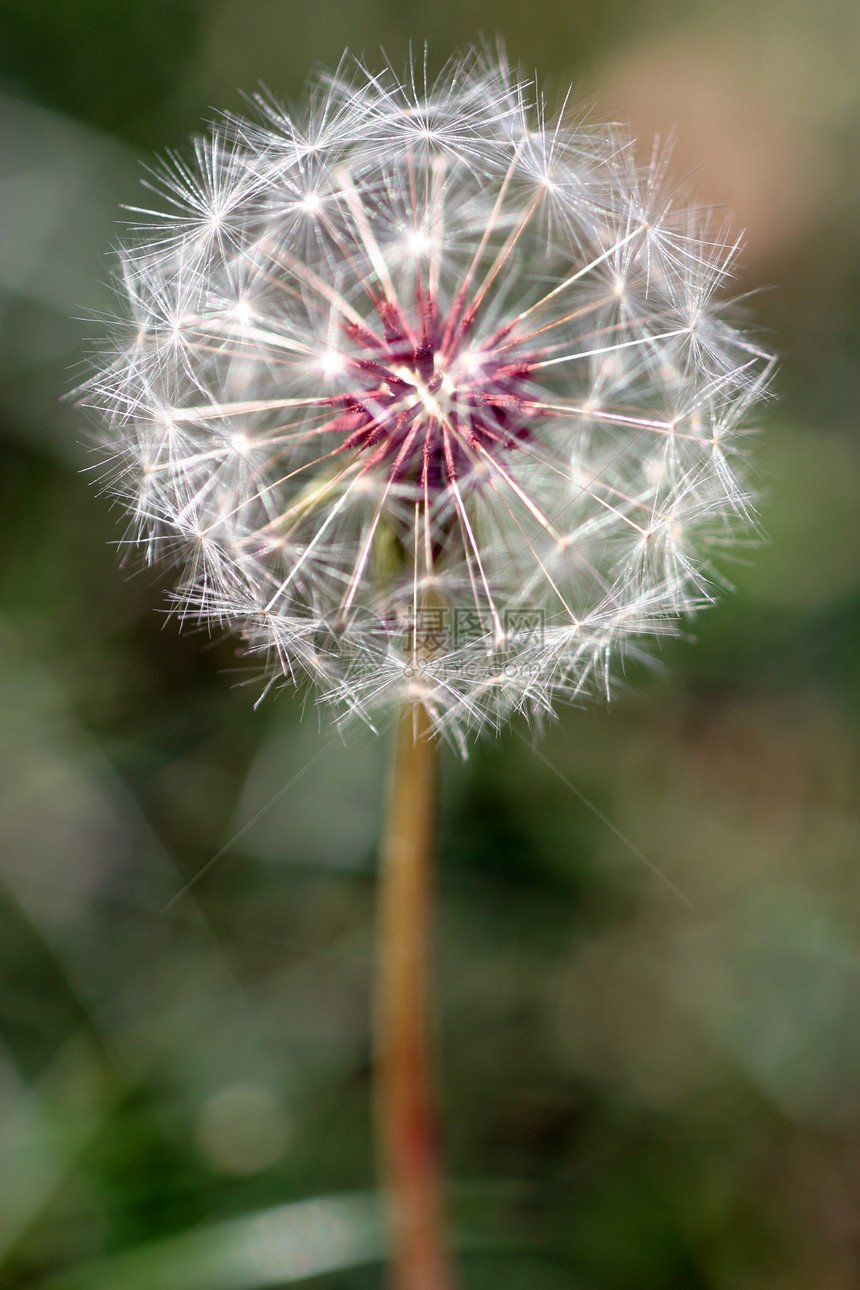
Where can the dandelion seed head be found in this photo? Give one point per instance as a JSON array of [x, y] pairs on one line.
[[429, 393]]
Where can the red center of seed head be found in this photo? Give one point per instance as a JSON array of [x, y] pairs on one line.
[[427, 402]]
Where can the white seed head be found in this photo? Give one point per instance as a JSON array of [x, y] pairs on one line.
[[429, 395]]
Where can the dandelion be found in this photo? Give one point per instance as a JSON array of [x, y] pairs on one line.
[[433, 398], [429, 394]]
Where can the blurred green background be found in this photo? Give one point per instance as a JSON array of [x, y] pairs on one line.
[[639, 1091]]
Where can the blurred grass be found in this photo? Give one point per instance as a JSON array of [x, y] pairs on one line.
[[637, 1093]]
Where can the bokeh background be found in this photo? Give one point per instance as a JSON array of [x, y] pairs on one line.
[[641, 1090]]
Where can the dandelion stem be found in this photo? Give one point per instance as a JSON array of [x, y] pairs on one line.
[[410, 1156]]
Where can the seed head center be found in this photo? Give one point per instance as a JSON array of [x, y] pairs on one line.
[[430, 399], [433, 395]]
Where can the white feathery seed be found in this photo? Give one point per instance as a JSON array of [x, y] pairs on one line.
[[431, 395]]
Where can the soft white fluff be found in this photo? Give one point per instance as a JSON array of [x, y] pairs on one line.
[[430, 395]]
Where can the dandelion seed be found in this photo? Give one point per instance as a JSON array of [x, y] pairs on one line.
[[427, 358]]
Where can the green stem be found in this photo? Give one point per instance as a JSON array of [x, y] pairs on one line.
[[410, 1157]]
